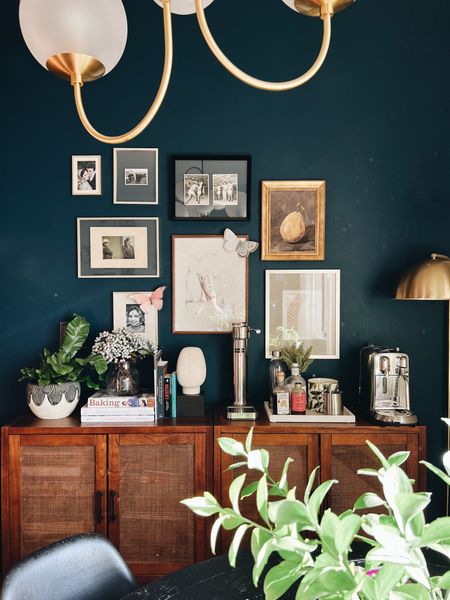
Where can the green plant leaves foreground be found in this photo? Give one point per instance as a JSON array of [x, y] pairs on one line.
[[314, 547]]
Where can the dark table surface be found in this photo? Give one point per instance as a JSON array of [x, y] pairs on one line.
[[211, 579]]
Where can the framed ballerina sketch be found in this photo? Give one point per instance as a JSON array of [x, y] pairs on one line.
[[210, 284]]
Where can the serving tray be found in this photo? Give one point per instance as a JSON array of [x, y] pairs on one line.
[[310, 417]]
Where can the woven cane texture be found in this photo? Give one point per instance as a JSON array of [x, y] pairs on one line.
[[345, 462], [57, 494], [153, 523]]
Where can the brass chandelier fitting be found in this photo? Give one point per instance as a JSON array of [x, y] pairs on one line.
[[85, 39]]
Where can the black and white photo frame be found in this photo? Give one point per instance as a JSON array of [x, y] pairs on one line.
[[86, 175], [212, 188], [118, 247], [135, 176]]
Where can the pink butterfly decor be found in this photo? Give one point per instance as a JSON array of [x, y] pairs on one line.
[[154, 299]]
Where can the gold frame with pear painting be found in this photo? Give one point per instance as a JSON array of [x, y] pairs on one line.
[[293, 220]]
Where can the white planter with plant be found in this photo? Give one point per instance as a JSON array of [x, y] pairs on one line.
[[394, 567], [56, 389]]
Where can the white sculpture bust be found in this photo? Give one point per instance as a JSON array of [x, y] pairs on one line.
[[191, 370]]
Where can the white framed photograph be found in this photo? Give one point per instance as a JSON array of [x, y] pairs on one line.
[[118, 246], [86, 175], [209, 286], [135, 176], [135, 315], [196, 189], [225, 189], [307, 302]]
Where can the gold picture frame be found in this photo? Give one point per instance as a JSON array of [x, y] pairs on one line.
[[293, 220]]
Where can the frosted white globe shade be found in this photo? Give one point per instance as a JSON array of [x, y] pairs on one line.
[[191, 370], [184, 7], [97, 28]]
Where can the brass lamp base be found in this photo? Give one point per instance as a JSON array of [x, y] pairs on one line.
[[74, 66], [312, 8]]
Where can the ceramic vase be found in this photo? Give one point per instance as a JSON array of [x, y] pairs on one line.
[[54, 401], [191, 370]]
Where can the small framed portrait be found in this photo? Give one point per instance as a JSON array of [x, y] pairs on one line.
[[304, 302], [214, 188], [135, 176], [293, 220], [209, 285], [118, 247], [128, 313], [86, 175]]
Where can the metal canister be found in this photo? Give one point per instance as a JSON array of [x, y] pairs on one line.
[[333, 403]]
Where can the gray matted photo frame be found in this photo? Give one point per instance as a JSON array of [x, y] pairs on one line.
[[118, 247], [212, 188], [135, 176]]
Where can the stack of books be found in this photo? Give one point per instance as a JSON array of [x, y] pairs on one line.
[[102, 407], [165, 385]]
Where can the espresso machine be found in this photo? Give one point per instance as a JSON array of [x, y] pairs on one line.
[[240, 409], [384, 385]]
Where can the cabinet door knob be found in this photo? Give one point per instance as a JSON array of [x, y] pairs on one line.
[[112, 507], [98, 506]]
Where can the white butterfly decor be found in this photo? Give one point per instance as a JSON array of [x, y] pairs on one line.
[[232, 243]]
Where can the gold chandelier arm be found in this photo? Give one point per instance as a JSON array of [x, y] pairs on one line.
[[139, 128], [279, 86]]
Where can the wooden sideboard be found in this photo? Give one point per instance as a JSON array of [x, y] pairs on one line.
[[60, 478]]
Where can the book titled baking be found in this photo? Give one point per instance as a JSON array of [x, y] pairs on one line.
[[103, 400]]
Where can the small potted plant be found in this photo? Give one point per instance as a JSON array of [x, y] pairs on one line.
[[321, 565], [292, 350], [54, 390], [121, 349]]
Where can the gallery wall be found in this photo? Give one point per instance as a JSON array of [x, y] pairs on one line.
[[373, 123]]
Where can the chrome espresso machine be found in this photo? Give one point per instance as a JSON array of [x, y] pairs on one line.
[[384, 385]]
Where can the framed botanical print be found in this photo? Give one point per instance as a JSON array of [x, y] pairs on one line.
[[118, 247], [304, 302], [293, 220], [128, 312], [86, 175], [135, 176], [213, 188], [210, 285]]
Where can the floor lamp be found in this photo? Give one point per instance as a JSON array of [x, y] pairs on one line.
[[430, 280]]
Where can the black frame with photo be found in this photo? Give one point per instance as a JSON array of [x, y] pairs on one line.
[[224, 199], [145, 260], [141, 167]]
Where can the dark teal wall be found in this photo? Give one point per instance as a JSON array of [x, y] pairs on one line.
[[373, 123]]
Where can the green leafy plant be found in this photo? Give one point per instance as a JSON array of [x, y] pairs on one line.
[[314, 549], [292, 350], [63, 366]]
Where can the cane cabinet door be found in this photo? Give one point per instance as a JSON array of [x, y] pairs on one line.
[[57, 488], [302, 448], [343, 454], [148, 476]]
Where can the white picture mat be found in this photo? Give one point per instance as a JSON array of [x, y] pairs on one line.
[[308, 301], [210, 285], [120, 302], [140, 247]]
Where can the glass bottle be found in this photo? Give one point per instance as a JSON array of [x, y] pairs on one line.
[[295, 377], [298, 399], [281, 396], [277, 365]]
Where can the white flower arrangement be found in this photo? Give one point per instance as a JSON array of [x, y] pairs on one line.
[[120, 345]]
